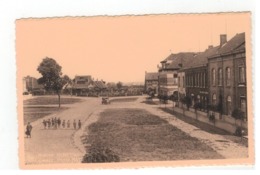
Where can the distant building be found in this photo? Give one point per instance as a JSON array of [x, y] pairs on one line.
[[85, 86], [81, 85], [151, 82], [227, 75], [168, 73], [31, 85]]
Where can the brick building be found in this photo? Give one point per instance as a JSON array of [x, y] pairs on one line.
[[196, 73], [227, 75]]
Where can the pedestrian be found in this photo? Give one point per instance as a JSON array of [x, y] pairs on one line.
[[28, 130], [49, 123], [52, 122], [55, 125], [79, 124], [59, 122], [74, 124], [44, 123], [63, 123], [68, 124]]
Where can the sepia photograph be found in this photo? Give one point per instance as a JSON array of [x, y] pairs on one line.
[[133, 91]]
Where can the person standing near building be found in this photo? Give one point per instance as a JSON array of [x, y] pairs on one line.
[[63, 124], [68, 124], [74, 124], [79, 124], [28, 130], [59, 122], [44, 123], [49, 123]]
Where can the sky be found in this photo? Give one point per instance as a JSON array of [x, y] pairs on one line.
[[118, 48]]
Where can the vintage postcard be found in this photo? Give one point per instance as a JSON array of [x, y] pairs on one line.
[[164, 90]]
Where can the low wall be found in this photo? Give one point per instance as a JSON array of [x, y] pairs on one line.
[[226, 123]]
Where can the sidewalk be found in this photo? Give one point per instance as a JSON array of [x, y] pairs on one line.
[[223, 144]]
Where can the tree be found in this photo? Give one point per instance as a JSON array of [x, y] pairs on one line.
[[119, 85], [197, 106], [239, 114], [67, 83], [187, 101], [66, 79], [51, 76]]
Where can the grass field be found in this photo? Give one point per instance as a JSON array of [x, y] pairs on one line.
[[136, 135], [34, 113], [51, 100]]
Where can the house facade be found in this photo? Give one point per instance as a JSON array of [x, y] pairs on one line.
[[81, 85], [151, 82], [197, 78], [227, 75], [169, 75]]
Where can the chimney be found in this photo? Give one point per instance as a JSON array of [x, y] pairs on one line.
[[223, 39], [210, 47]]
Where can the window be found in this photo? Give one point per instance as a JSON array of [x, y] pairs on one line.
[[201, 80], [229, 110], [175, 78], [228, 78], [220, 77], [204, 80], [243, 104], [214, 99], [192, 80], [179, 82], [241, 75], [198, 79], [213, 72], [198, 98], [195, 82]]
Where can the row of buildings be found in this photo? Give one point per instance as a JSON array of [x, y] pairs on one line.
[[83, 85], [216, 76], [79, 86]]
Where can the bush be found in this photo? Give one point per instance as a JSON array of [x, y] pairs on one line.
[[198, 106], [212, 118], [238, 114], [100, 155], [239, 132]]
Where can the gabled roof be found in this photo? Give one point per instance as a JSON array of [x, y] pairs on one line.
[[179, 60], [83, 77], [202, 58], [235, 43], [151, 75], [99, 84]]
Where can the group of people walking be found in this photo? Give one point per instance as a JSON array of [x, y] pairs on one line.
[[56, 123]]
